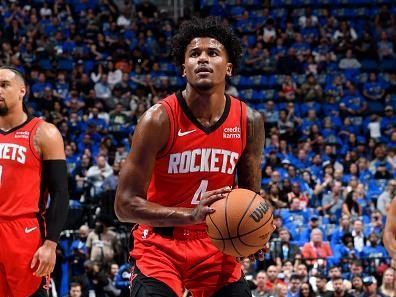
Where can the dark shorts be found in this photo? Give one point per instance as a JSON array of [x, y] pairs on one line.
[[143, 286], [20, 239]]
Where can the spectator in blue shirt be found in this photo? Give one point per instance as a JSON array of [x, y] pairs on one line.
[[388, 121], [353, 104], [340, 230], [374, 89], [375, 250], [79, 252], [123, 277]]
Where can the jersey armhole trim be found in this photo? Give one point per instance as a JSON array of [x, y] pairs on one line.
[[172, 133], [31, 138]]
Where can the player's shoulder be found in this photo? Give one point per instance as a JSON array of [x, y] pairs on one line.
[[48, 134], [253, 115], [48, 129], [155, 116]]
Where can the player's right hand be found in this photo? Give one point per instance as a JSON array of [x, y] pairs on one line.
[[199, 212]]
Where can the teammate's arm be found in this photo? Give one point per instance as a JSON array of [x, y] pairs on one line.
[[131, 205], [49, 144], [390, 230]]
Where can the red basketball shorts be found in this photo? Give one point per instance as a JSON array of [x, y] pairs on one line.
[[19, 240], [186, 260]]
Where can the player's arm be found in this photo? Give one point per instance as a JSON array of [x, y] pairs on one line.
[[249, 165], [249, 169], [49, 144], [390, 230], [131, 204]]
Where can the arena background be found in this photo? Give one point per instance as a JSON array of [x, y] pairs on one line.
[[322, 73]]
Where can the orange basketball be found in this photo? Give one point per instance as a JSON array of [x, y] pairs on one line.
[[242, 223]]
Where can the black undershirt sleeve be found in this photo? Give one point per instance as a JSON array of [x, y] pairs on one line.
[[55, 179]]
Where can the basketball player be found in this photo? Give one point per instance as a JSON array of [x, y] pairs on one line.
[[186, 152], [32, 164], [390, 231]]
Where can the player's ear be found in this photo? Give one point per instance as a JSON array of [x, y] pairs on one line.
[[229, 69], [22, 92], [183, 68]]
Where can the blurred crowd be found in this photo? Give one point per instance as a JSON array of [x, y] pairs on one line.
[[323, 75]]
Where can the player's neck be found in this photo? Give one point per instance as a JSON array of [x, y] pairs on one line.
[[205, 105], [12, 120]]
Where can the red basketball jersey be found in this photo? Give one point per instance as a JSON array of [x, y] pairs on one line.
[[197, 159], [20, 171]]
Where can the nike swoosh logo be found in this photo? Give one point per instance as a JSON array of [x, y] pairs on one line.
[[28, 230], [180, 133]]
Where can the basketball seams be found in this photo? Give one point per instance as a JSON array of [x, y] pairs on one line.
[[221, 235], [231, 219], [247, 209], [247, 233], [228, 230], [239, 237]]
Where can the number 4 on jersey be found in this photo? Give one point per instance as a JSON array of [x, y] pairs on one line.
[[200, 191]]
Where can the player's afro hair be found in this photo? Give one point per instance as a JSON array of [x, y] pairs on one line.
[[212, 27]]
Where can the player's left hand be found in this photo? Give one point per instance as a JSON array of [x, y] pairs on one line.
[[45, 256], [260, 255]]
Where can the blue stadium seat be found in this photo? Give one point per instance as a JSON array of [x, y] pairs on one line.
[[272, 81], [246, 94], [388, 65], [88, 66], [245, 82], [369, 65], [65, 64], [258, 95], [235, 79]]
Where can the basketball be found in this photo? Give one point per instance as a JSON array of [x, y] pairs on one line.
[[242, 223]]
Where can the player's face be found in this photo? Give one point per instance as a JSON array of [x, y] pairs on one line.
[[206, 63], [12, 91]]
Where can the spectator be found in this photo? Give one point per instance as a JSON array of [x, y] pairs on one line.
[[357, 286], [102, 243], [385, 47], [375, 251], [316, 248], [358, 235], [332, 202], [306, 290], [335, 275], [102, 88], [294, 286], [261, 280], [79, 252], [75, 290], [321, 290], [387, 287], [349, 62], [386, 197], [311, 90], [282, 249], [384, 20], [281, 290], [96, 175], [301, 271], [370, 287], [272, 279], [275, 197], [341, 230], [351, 207], [339, 288]]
